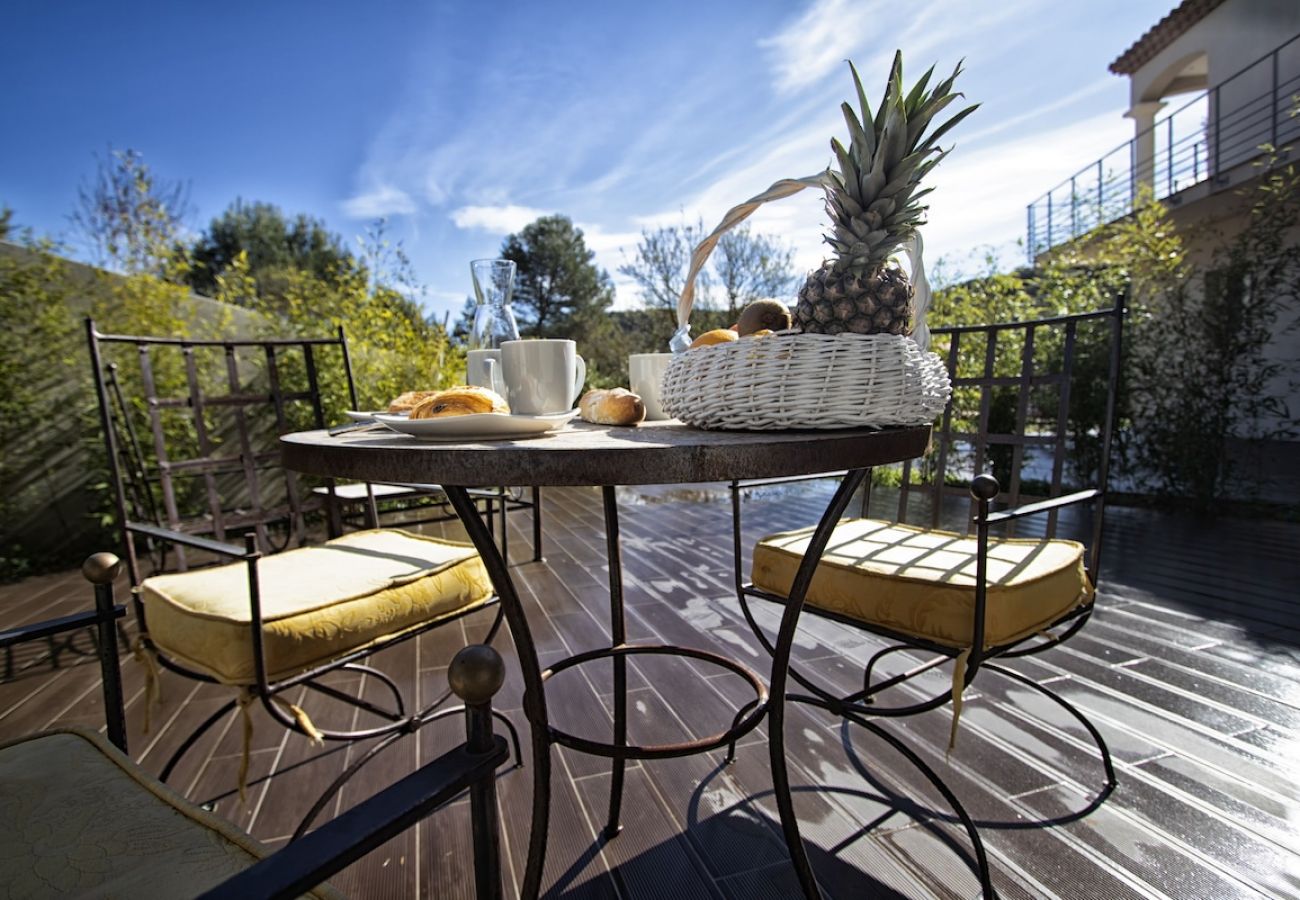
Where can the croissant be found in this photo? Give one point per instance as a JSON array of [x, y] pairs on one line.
[[465, 400], [408, 401]]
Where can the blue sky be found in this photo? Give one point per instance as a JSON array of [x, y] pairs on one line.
[[461, 122]]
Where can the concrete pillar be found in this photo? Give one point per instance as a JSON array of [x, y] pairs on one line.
[[1143, 115]]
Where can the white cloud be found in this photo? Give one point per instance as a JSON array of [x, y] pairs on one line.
[[384, 200], [1096, 87], [814, 45], [611, 247], [602, 242], [619, 155], [495, 219], [805, 50], [980, 196]]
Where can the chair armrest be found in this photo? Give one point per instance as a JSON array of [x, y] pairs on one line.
[[189, 540], [315, 857], [37, 630], [1030, 509]]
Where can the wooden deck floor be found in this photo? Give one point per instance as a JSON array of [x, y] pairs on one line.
[[1191, 668]]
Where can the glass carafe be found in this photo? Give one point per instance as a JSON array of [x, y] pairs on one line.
[[494, 321]]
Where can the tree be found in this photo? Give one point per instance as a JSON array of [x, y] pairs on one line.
[[750, 266], [39, 340], [387, 263], [131, 218], [275, 245], [744, 267], [557, 284], [1200, 371], [663, 257], [559, 292]]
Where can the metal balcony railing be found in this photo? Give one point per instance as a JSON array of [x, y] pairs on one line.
[[1203, 140]]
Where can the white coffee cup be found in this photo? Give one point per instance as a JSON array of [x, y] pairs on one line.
[[543, 375], [646, 372], [483, 368]]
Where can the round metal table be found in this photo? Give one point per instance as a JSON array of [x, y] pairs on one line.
[[603, 456]]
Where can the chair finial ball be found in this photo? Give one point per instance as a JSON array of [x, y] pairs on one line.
[[476, 674], [984, 487], [101, 568]]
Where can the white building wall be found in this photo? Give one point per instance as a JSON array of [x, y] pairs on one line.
[[1234, 35]]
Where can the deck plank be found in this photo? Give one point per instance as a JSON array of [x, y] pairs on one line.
[[1191, 668]]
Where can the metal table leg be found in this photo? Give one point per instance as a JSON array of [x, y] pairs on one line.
[[617, 637], [780, 673], [534, 699], [537, 524]]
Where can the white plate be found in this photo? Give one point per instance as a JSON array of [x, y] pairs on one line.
[[482, 426], [365, 416]]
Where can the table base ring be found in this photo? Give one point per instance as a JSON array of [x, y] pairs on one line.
[[747, 718]]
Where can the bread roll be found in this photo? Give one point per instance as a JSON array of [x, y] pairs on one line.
[[615, 407], [716, 336], [409, 401], [460, 401]]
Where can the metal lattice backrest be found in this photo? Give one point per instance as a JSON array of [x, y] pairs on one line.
[[190, 427], [1033, 404]]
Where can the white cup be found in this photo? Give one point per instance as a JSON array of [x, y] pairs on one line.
[[646, 372], [483, 368], [542, 376]]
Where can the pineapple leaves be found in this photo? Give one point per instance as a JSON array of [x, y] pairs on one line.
[[874, 180], [894, 144], [884, 207], [843, 206], [918, 92], [917, 124], [862, 144], [847, 168], [947, 126], [874, 200], [869, 130], [893, 91]]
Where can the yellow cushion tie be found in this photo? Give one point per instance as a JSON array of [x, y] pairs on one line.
[[958, 687], [304, 721], [300, 717], [146, 656]]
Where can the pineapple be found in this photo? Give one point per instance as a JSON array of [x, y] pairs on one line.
[[875, 207]]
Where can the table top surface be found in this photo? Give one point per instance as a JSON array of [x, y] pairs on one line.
[[584, 454]]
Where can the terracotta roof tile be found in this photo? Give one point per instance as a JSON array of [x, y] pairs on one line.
[[1162, 34]]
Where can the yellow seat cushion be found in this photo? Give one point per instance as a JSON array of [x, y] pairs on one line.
[[922, 583], [318, 603], [78, 819]]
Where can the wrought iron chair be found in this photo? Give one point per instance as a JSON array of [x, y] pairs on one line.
[[405, 498], [83, 819], [263, 623], [1031, 400]]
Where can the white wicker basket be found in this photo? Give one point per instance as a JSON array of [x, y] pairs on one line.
[[793, 380]]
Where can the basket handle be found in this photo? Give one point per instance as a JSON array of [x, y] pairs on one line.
[[787, 187], [737, 214], [921, 294]]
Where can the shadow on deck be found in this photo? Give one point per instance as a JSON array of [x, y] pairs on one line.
[[1191, 668]]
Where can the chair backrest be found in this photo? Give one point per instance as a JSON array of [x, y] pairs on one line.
[[191, 427], [1034, 405]]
